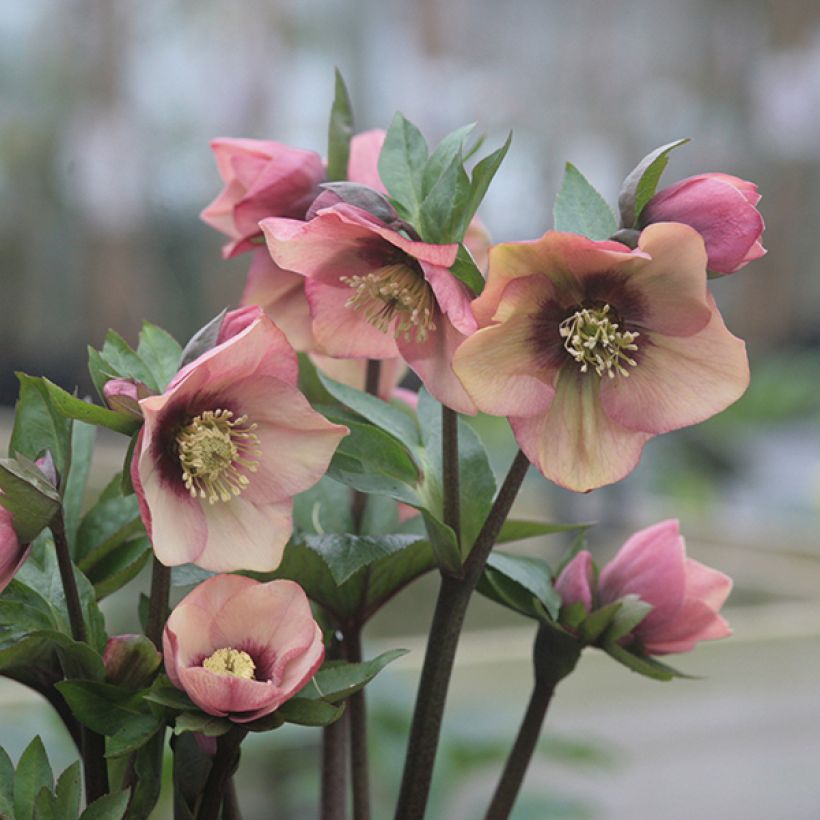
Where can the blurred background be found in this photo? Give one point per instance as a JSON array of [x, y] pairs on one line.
[[107, 111]]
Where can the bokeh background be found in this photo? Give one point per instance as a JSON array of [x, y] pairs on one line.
[[107, 110]]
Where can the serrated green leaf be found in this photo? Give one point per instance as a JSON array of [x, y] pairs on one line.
[[642, 182], [133, 736], [102, 707], [339, 132], [338, 680], [438, 162], [466, 271], [75, 408], [345, 553], [440, 214], [306, 712], [392, 574], [107, 807], [355, 474], [207, 725], [125, 361], [401, 165], [160, 352], [483, 174], [83, 437], [67, 793], [33, 773], [579, 208], [38, 426]]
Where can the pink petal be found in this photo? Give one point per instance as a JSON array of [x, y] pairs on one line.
[[651, 565], [452, 297], [502, 371], [227, 695], [679, 380], [303, 666], [363, 163], [574, 584], [574, 443]]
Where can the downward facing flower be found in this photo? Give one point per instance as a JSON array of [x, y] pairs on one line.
[[685, 595], [240, 648], [224, 450], [591, 349], [374, 293]]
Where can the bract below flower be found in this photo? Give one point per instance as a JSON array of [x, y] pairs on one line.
[[223, 451], [374, 293], [722, 209], [240, 648], [591, 349], [685, 595], [12, 553]]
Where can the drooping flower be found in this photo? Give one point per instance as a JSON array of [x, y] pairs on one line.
[[240, 648], [591, 349], [722, 209], [685, 595], [374, 293], [225, 448], [12, 553]]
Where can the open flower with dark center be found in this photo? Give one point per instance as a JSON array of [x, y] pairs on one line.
[[240, 648], [375, 293], [223, 451], [591, 349]]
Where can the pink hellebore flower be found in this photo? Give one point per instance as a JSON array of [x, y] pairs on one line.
[[240, 648], [12, 553], [721, 208], [374, 293], [225, 448], [685, 595], [591, 349]]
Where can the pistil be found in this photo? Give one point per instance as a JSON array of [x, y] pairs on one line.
[[214, 450], [394, 292], [592, 338]]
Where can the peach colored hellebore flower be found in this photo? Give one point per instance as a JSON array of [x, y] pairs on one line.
[[225, 448], [721, 208], [591, 349], [376, 294], [240, 648], [685, 595]]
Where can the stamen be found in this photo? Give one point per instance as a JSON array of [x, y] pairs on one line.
[[213, 448], [592, 338], [232, 662], [394, 292]]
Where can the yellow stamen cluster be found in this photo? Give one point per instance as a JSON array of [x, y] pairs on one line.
[[394, 292], [213, 447], [233, 662], [592, 338]]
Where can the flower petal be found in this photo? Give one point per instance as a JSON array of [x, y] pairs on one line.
[[363, 162], [452, 297], [574, 584], [228, 695], [679, 380]]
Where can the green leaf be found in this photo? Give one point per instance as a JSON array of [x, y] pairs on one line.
[[306, 712], [113, 519], [67, 794], [82, 449], [6, 783], [529, 573], [100, 370], [482, 176], [642, 182], [466, 271], [160, 352], [386, 417], [444, 544], [381, 517], [203, 340], [148, 768], [33, 773], [126, 363], [339, 132], [107, 807], [440, 216], [355, 474], [75, 408], [164, 693], [126, 484], [597, 621], [642, 664], [391, 574], [338, 680], [345, 553], [439, 161], [133, 736], [28, 496], [579, 208], [119, 566], [631, 612], [102, 707], [401, 165], [38, 426], [517, 530], [207, 725], [77, 659]]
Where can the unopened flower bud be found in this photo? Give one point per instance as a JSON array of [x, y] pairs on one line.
[[130, 661]]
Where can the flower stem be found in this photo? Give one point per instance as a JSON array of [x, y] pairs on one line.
[[451, 606], [230, 802], [371, 379], [359, 768], [222, 768], [450, 474], [334, 761], [158, 603], [92, 745]]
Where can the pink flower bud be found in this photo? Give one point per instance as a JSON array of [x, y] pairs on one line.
[[130, 661], [12, 552], [722, 209], [240, 648], [574, 584], [123, 396]]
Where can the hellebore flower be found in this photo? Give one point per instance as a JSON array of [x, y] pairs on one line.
[[225, 448], [590, 349], [12, 553], [374, 293], [240, 648], [721, 208], [685, 595]]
